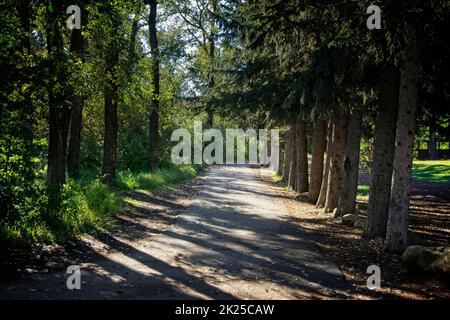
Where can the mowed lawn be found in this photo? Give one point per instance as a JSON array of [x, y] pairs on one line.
[[428, 170], [432, 170]]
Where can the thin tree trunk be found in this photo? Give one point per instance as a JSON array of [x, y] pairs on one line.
[[383, 154], [336, 162], [211, 54], [77, 46], [73, 153], [132, 45], [154, 138], [110, 116], [324, 185], [110, 131], [302, 157], [59, 110], [432, 147], [318, 149], [347, 199], [398, 218]]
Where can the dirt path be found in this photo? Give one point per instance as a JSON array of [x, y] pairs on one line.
[[235, 240]]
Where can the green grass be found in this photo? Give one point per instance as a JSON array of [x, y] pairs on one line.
[[88, 204], [160, 179], [363, 190], [276, 177], [432, 170]]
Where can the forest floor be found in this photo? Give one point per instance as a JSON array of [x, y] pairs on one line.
[[429, 226], [231, 233]]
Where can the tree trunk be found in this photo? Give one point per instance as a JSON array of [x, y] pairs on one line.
[[154, 138], [132, 58], [77, 45], [397, 226], [432, 148], [324, 185], [73, 153], [347, 199], [383, 154], [281, 156], [59, 110], [211, 55], [336, 174], [302, 157], [448, 137], [318, 149], [292, 160], [110, 133], [287, 154], [111, 122]]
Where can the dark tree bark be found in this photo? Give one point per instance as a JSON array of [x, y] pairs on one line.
[[282, 151], [154, 138], [336, 162], [383, 155], [448, 135], [347, 199], [211, 54], [132, 45], [110, 117], [302, 157], [73, 152], [59, 110], [318, 149], [324, 185], [432, 147], [288, 141], [398, 217], [292, 160], [77, 46]]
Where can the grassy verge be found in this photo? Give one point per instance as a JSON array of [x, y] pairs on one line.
[[432, 170], [363, 190], [89, 204], [276, 177]]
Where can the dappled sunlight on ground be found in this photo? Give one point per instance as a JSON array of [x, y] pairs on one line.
[[430, 225]]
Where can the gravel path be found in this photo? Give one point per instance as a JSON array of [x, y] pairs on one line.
[[236, 240]]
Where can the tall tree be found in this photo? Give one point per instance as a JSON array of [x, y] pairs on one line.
[[292, 160], [111, 125], [59, 109], [383, 155], [318, 149], [326, 170], [347, 199], [287, 154], [154, 138], [336, 173], [211, 56], [78, 45], [302, 157], [398, 218]]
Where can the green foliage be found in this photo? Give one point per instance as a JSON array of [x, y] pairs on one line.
[[365, 151], [254, 63], [159, 179], [87, 205], [363, 190]]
